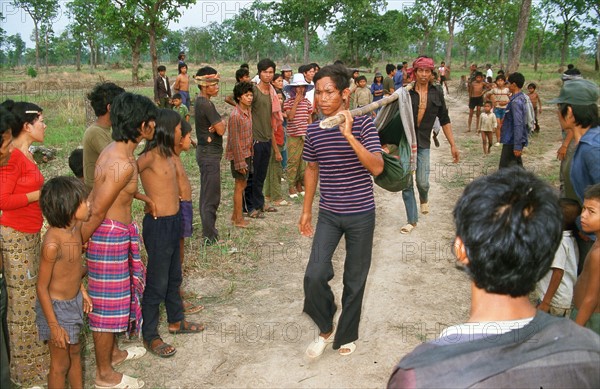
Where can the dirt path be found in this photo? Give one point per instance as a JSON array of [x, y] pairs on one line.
[[257, 336]]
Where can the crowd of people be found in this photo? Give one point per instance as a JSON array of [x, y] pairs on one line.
[[520, 245]]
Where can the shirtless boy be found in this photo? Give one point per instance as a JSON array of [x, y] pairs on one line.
[[475, 98], [162, 231], [62, 298], [586, 297], [114, 247], [182, 85], [536, 102]]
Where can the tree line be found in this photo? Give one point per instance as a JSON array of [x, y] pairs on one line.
[[360, 32]]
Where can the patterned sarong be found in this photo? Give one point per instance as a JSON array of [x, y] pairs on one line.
[[116, 278]]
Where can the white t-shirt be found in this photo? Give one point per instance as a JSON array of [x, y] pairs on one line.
[[472, 331], [489, 73], [566, 258], [311, 95]]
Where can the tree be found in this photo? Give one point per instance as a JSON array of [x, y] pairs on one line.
[[41, 12], [514, 56], [569, 12], [307, 15], [86, 25], [455, 11], [425, 17], [16, 49]]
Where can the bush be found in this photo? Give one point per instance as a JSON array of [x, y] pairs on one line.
[[31, 72]]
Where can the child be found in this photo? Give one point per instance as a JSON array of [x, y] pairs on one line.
[[443, 71], [180, 108], [298, 109], [377, 87], [362, 94], [62, 298], [239, 147], [76, 163], [586, 297], [553, 293], [272, 188], [162, 88], [500, 96], [475, 98], [162, 233], [185, 205], [241, 75], [536, 102], [182, 85], [487, 125]]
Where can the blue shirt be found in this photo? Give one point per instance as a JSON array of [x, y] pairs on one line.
[[585, 167], [514, 126], [345, 185], [398, 79], [375, 87]]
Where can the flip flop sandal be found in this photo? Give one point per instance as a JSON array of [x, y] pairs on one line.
[[133, 353], [315, 349], [127, 382], [187, 330], [269, 209], [190, 309], [407, 229], [256, 214], [160, 349]]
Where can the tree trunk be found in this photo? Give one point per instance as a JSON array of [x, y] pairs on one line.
[[135, 60], [78, 57], [153, 55], [450, 43], [565, 45], [597, 65], [466, 55], [37, 45], [515, 52], [46, 49], [306, 40]]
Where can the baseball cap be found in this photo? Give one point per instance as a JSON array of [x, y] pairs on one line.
[[577, 92]]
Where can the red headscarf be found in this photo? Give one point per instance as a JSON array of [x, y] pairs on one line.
[[423, 63]]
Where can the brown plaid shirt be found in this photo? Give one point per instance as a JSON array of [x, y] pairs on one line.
[[239, 138]]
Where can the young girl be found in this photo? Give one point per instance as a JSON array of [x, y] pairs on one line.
[[487, 125], [62, 298], [162, 234], [377, 87]]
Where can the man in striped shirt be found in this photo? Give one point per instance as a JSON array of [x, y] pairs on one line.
[[343, 159]]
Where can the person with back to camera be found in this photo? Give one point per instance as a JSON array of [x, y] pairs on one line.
[[508, 227]]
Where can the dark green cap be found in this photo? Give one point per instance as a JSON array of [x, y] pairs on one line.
[[577, 92]]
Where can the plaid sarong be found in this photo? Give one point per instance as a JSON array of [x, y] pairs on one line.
[[116, 278]]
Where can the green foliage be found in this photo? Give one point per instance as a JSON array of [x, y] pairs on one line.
[[31, 72]]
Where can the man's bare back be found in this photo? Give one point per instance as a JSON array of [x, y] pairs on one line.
[[159, 179], [589, 278]]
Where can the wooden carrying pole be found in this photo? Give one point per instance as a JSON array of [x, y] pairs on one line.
[[338, 119]]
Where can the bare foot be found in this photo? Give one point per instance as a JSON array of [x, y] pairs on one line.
[[243, 223]]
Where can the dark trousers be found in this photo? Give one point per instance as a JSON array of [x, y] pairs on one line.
[[508, 158], [253, 194], [4, 342], [210, 194], [161, 238], [318, 298]]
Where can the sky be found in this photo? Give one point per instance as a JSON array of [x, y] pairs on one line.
[[201, 14]]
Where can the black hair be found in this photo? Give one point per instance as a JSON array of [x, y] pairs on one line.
[[276, 76], [206, 71], [478, 74], [302, 69], [127, 114], [59, 199], [161, 68], [7, 122], [592, 192], [308, 67], [570, 210], [315, 65], [389, 68], [102, 95], [240, 89], [76, 162], [245, 66], [442, 63], [164, 133], [338, 62], [517, 79], [570, 66], [375, 79], [338, 74], [511, 225], [501, 77], [176, 96], [180, 66], [585, 115], [23, 112], [500, 72], [264, 64], [186, 128], [532, 85], [488, 102], [399, 66], [181, 55], [241, 72], [360, 78]]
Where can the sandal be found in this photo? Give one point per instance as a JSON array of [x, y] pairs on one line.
[[350, 347], [133, 353], [256, 214], [190, 309], [269, 209], [161, 349], [186, 327], [315, 349], [407, 229]]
